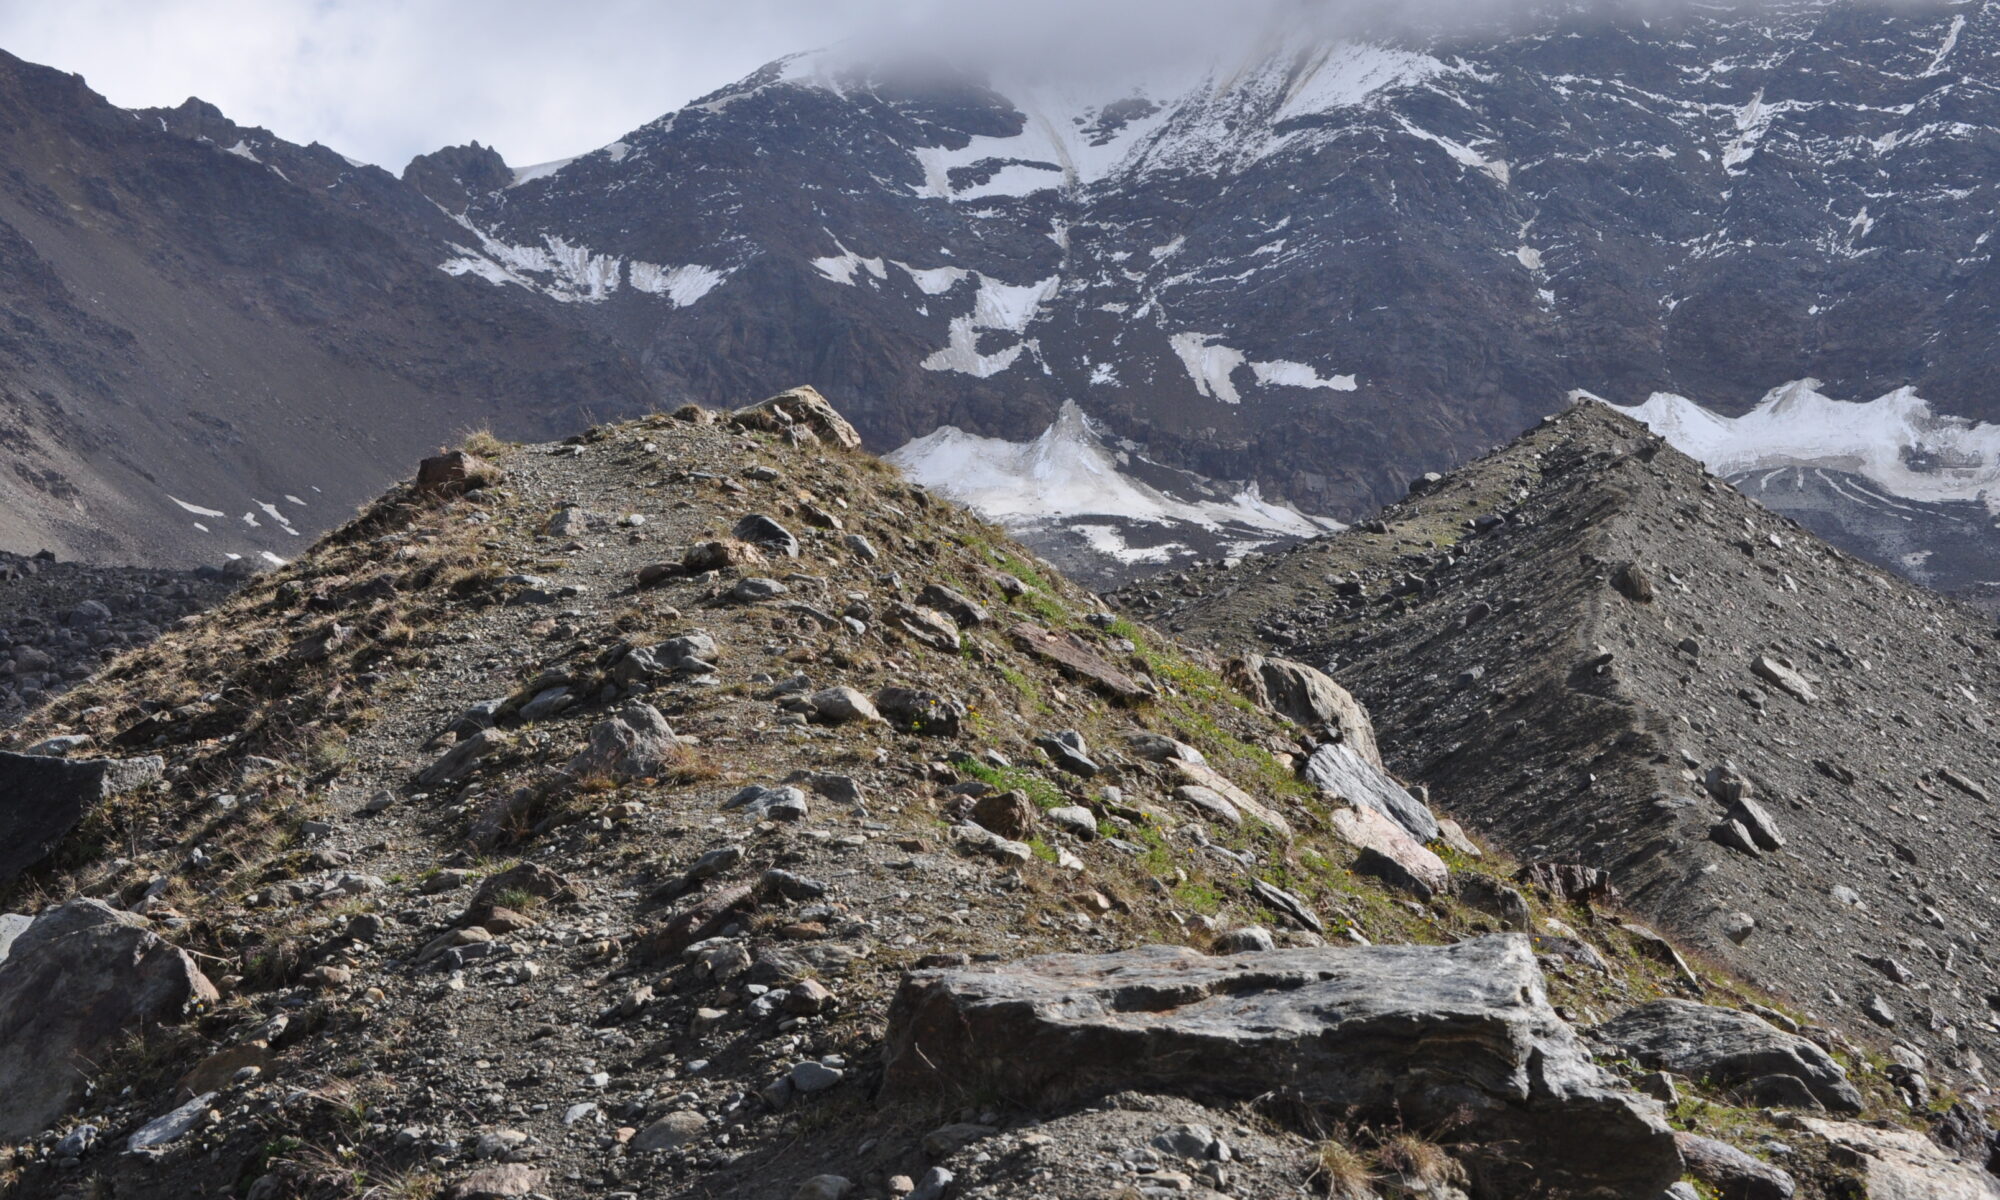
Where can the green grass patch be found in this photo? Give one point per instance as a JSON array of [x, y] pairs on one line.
[[1044, 794]]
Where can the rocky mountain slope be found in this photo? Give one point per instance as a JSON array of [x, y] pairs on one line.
[[1591, 649], [698, 808], [219, 344]]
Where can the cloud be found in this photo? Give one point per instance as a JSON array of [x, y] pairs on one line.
[[383, 80]]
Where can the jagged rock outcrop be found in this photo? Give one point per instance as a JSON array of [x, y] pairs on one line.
[[1461, 1033]]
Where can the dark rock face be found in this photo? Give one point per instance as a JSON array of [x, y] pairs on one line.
[[42, 799], [1431, 1033]]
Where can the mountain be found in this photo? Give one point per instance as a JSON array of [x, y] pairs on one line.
[[698, 808], [1316, 265], [219, 343], [1593, 650], [1283, 277]]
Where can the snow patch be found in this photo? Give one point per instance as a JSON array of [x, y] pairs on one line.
[[682, 285], [572, 273], [1284, 373], [1067, 473], [242, 150], [538, 171], [1895, 441], [1209, 365], [840, 268], [998, 307], [196, 509]]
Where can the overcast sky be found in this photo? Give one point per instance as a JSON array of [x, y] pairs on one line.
[[383, 80]]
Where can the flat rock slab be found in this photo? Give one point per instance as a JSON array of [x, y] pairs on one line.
[[1338, 770], [1078, 659], [1427, 1035], [1726, 1046], [1200, 774], [42, 799]]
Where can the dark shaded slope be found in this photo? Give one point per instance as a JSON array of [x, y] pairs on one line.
[[1572, 677], [189, 323]]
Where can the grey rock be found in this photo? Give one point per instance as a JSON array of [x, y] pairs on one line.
[[769, 803], [547, 703], [916, 711], [860, 547], [1308, 697], [754, 589], [1339, 771], [670, 1132], [1493, 898], [841, 705], [1160, 748], [766, 534], [1727, 1046], [1900, 1164], [1784, 678], [74, 984], [935, 1183], [170, 1127], [1781, 1091], [1733, 1174], [811, 1077], [1425, 1034], [1073, 819], [824, 1187], [460, 761], [953, 604], [1758, 822], [1068, 751], [633, 743], [1250, 939], [1209, 802]]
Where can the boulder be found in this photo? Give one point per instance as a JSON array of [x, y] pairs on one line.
[[1010, 814], [1727, 1046], [42, 799], [1309, 697], [1416, 868], [453, 473], [1203, 775], [634, 743], [954, 604], [1341, 772], [915, 711], [765, 533], [80, 980], [1733, 1174], [458, 762], [801, 408], [1783, 677], [925, 626], [1898, 1164], [1422, 1035], [841, 705]]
